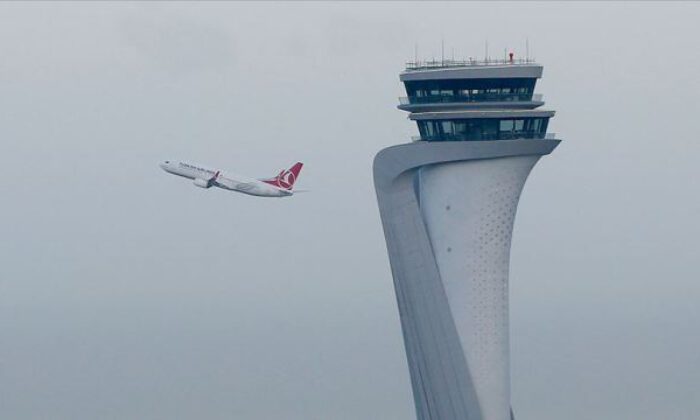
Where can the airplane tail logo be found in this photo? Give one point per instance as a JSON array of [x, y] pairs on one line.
[[286, 178]]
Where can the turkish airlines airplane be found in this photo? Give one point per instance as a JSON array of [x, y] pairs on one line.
[[279, 186]]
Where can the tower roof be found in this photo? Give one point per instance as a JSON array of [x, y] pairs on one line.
[[450, 69]]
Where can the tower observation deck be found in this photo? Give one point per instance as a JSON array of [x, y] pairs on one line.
[[447, 202]]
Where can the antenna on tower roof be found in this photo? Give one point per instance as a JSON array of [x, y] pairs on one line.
[[527, 49], [442, 47]]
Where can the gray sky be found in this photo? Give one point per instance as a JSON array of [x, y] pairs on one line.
[[127, 293]]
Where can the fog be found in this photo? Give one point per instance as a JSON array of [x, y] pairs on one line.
[[129, 293]]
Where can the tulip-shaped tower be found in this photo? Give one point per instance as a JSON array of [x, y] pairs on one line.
[[447, 202]]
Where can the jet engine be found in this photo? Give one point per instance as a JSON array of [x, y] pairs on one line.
[[202, 183]]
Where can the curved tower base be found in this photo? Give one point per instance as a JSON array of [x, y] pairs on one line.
[[447, 209]]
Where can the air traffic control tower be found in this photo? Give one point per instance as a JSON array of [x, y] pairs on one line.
[[447, 202]]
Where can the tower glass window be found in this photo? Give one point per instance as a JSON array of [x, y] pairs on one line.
[[483, 129], [470, 90]]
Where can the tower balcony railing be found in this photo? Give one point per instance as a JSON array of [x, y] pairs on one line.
[[504, 135], [480, 97], [447, 63]]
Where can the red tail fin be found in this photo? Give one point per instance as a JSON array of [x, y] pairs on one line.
[[287, 177]]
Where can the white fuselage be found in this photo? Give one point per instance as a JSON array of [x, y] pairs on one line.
[[205, 178]]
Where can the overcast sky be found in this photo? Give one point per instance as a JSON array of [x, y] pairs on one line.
[[126, 293]]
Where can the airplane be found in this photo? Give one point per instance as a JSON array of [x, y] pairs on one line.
[[279, 186]]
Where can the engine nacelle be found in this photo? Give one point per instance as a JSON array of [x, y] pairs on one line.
[[202, 183]]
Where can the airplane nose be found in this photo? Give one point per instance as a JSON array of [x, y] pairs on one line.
[[163, 166]]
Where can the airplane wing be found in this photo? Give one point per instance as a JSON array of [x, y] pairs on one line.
[[235, 185]]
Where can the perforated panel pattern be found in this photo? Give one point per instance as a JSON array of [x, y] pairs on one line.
[[469, 208]]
